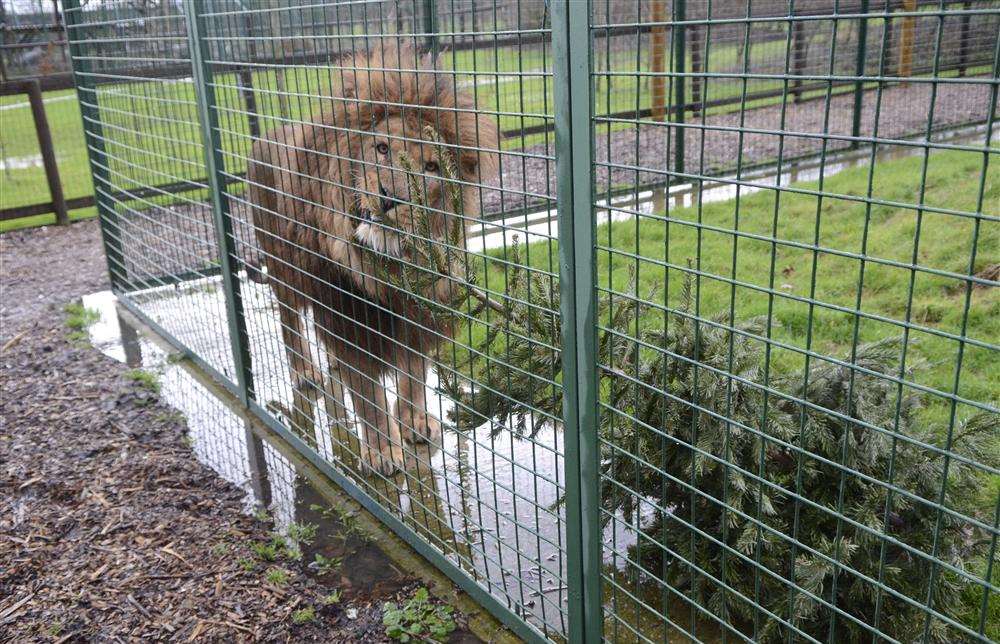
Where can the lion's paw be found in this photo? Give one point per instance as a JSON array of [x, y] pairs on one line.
[[420, 426], [309, 378], [386, 460]]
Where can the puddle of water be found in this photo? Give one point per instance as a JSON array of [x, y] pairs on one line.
[[490, 503], [223, 440], [21, 163]]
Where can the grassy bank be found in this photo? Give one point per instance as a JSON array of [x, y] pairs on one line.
[[856, 284]]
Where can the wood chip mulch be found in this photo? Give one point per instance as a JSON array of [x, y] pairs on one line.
[[111, 530]]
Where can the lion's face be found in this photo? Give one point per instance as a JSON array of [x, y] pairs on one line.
[[385, 189]]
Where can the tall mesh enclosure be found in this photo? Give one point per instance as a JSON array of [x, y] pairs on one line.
[[642, 320]]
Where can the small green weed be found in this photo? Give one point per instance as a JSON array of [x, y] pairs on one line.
[[246, 563], [323, 511], [304, 616], [78, 320], [347, 520], [277, 547], [418, 619], [277, 576], [325, 565], [169, 417], [293, 552], [79, 317], [332, 598], [145, 379], [266, 551], [302, 532], [78, 337]]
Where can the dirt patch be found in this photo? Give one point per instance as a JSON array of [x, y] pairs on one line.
[[110, 529], [44, 267]]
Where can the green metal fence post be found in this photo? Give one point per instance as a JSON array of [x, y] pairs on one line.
[[859, 71], [680, 66], [577, 274], [214, 165], [86, 88]]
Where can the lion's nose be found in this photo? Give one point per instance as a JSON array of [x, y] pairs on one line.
[[388, 202]]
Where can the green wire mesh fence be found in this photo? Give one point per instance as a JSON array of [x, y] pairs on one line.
[[642, 320]]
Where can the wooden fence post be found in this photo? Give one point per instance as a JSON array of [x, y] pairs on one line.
[[963, 44], [800, 46], [34, 91], [906, 39], [697, 67], [680, 68], [658, 60]]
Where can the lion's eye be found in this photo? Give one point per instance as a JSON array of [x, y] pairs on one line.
[[382, 148], [431, 166]]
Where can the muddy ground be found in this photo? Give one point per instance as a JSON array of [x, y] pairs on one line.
[[110, 529]]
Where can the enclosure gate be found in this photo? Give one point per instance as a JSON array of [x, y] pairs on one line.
[[723, 365]]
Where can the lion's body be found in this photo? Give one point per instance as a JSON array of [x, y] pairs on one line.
[[309, 184]]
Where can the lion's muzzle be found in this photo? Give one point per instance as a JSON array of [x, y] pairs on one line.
[[388, 201]]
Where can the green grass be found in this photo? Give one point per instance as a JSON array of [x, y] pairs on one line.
[[935, 302], [304, 616], [23, 186], [144, 379], [78, 320]]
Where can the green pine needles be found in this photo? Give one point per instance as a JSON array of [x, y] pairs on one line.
[[814, 505], [771, 511]]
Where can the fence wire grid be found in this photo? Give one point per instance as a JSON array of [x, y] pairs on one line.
[[643, 320]]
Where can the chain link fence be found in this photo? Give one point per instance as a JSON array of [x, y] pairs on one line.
[[641, 320]]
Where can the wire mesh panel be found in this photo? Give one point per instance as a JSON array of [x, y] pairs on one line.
[[133, 73], [796, 324], [363, 151], [643, 320]]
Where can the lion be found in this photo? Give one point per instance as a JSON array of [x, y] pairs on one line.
[[328, 196]]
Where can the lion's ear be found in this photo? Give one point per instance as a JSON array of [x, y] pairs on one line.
[[482, 160], [481, 166], [348, 80]]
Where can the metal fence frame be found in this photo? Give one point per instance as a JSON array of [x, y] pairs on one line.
[[574, 122]]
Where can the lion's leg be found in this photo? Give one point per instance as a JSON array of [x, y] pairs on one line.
[[306, 376], [411, 401], [344, 439], [383, 447]]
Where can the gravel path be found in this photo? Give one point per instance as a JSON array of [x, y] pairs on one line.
[[904, 112], [110, 529]]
